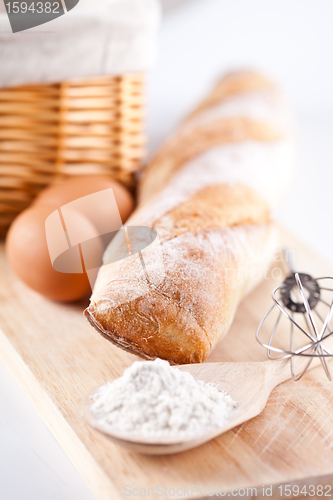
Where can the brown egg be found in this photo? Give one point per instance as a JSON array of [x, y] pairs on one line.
[[28, 255], [71, 189]]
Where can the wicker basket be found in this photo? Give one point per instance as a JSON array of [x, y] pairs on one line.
[[48, 132]]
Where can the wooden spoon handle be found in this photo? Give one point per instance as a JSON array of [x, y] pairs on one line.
[[280, 370]]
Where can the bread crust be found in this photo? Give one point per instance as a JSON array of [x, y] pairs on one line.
[[181, 319], [215, 239], [189, 143]]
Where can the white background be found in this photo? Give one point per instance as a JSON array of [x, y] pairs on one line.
[[291, 40]]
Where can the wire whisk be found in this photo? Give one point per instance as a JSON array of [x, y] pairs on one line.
[[298, 299]]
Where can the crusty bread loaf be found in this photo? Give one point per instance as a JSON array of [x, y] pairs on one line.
[[208, 193]]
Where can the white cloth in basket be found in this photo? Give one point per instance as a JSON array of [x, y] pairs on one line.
[[96, 38]]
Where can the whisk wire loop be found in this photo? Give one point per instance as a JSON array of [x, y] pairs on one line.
[[307, 308]]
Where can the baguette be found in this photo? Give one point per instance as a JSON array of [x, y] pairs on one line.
[[207, 196]]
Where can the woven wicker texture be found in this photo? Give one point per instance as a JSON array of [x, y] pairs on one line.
[[48, 132]]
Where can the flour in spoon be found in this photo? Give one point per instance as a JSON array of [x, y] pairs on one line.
[[154, 399]]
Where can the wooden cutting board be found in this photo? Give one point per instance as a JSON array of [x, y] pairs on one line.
[[57, 357]]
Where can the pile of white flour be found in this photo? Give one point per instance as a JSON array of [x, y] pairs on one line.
[[154, 399]]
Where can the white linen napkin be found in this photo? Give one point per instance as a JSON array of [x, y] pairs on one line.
[[95, 38]]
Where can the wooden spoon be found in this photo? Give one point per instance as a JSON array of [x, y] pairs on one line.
[[249, 384]]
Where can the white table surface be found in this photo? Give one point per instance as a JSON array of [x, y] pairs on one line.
[[199, 40]]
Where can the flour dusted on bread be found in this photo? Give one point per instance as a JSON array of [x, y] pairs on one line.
[[250, 163], [208, 193], [267, 105]]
